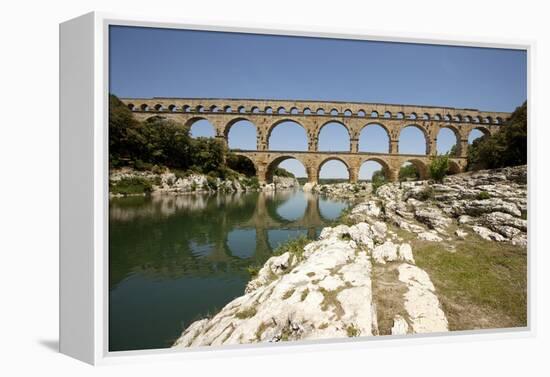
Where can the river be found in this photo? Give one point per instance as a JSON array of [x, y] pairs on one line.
[[177, 259]]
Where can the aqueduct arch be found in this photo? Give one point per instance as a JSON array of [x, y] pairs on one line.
[[313, 115]]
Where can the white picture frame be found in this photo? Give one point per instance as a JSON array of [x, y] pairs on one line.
[[84, 191]]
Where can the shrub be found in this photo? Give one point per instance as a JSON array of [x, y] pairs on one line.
[[483, 195], [508, 147], [131, 186], [294, 247], [280, 172], [378, 179], [408, 172], [439, 167]]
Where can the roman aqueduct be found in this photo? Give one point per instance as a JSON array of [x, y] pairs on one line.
[[314, 115]]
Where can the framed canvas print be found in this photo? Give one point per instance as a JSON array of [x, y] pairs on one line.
[[226, 189]]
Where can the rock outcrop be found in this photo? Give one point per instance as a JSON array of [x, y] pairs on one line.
[[167, 182], [323, 292], [489, 203]]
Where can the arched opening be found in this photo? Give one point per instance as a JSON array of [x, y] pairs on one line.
[[413, 170], [374, 114], [242, 243], [268, 110], [131, 106], [333, 170], [334, 112], [400, 115], [172, 108], [144, 107], [437, 117], [159, 107], [477, 133], [186, 108], [294, 111], [200, 109], [454, 168], [241, 164], [373, 168], [287, 135], [387, 115], [426, 116], [374, 138], [307, 111], [202, 128], [255, 110], [467, 119], [320, 111], [347, 113], [333, 136], [241, 134], [447, 141], [413, 140], [242, 109], [228, 109], [412, 116], [290, 165], [281, 110], [214, 109], [361, 113]]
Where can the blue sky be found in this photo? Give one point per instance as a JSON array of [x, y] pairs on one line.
[[148, 62]]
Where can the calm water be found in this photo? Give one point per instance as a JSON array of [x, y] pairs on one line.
[[175, 259]]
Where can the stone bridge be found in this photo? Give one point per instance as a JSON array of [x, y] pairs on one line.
[[314, 115]]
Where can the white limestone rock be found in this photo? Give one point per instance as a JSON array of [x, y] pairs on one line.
[[293, 305], [429, 236], [421, 302], [400, 326], [379, 230], [387, 252], [461, 234], [405, 253], [488, 234]]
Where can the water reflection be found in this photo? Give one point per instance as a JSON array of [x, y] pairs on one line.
[[174, 259]]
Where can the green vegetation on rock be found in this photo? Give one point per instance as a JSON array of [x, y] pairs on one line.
[[439, 167], [508, 147], [160, 142]]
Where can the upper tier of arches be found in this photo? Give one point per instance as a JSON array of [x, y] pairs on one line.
[[372, 111]]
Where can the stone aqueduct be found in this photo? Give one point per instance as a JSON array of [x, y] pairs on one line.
[[314, 115]]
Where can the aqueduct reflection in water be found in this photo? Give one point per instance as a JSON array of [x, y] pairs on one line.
[[226, 230]]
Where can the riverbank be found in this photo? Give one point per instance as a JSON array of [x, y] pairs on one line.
[[128, 182], [416, 257]]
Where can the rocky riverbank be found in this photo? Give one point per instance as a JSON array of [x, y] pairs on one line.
[[127, 181], [375, 274]]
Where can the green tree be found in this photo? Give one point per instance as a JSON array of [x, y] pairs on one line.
[[508, 147], [123, 133], [281, 172], [439, 167], [241, 164], [378, 179], [408, 171]]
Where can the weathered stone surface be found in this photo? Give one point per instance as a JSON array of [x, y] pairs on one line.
[[405, 253], [430, 236], [386, 252], [495, 219], [433, 217], [400, 326], [421, 303], [461, 234], [323, 296], [379, 230], [488, 234]]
